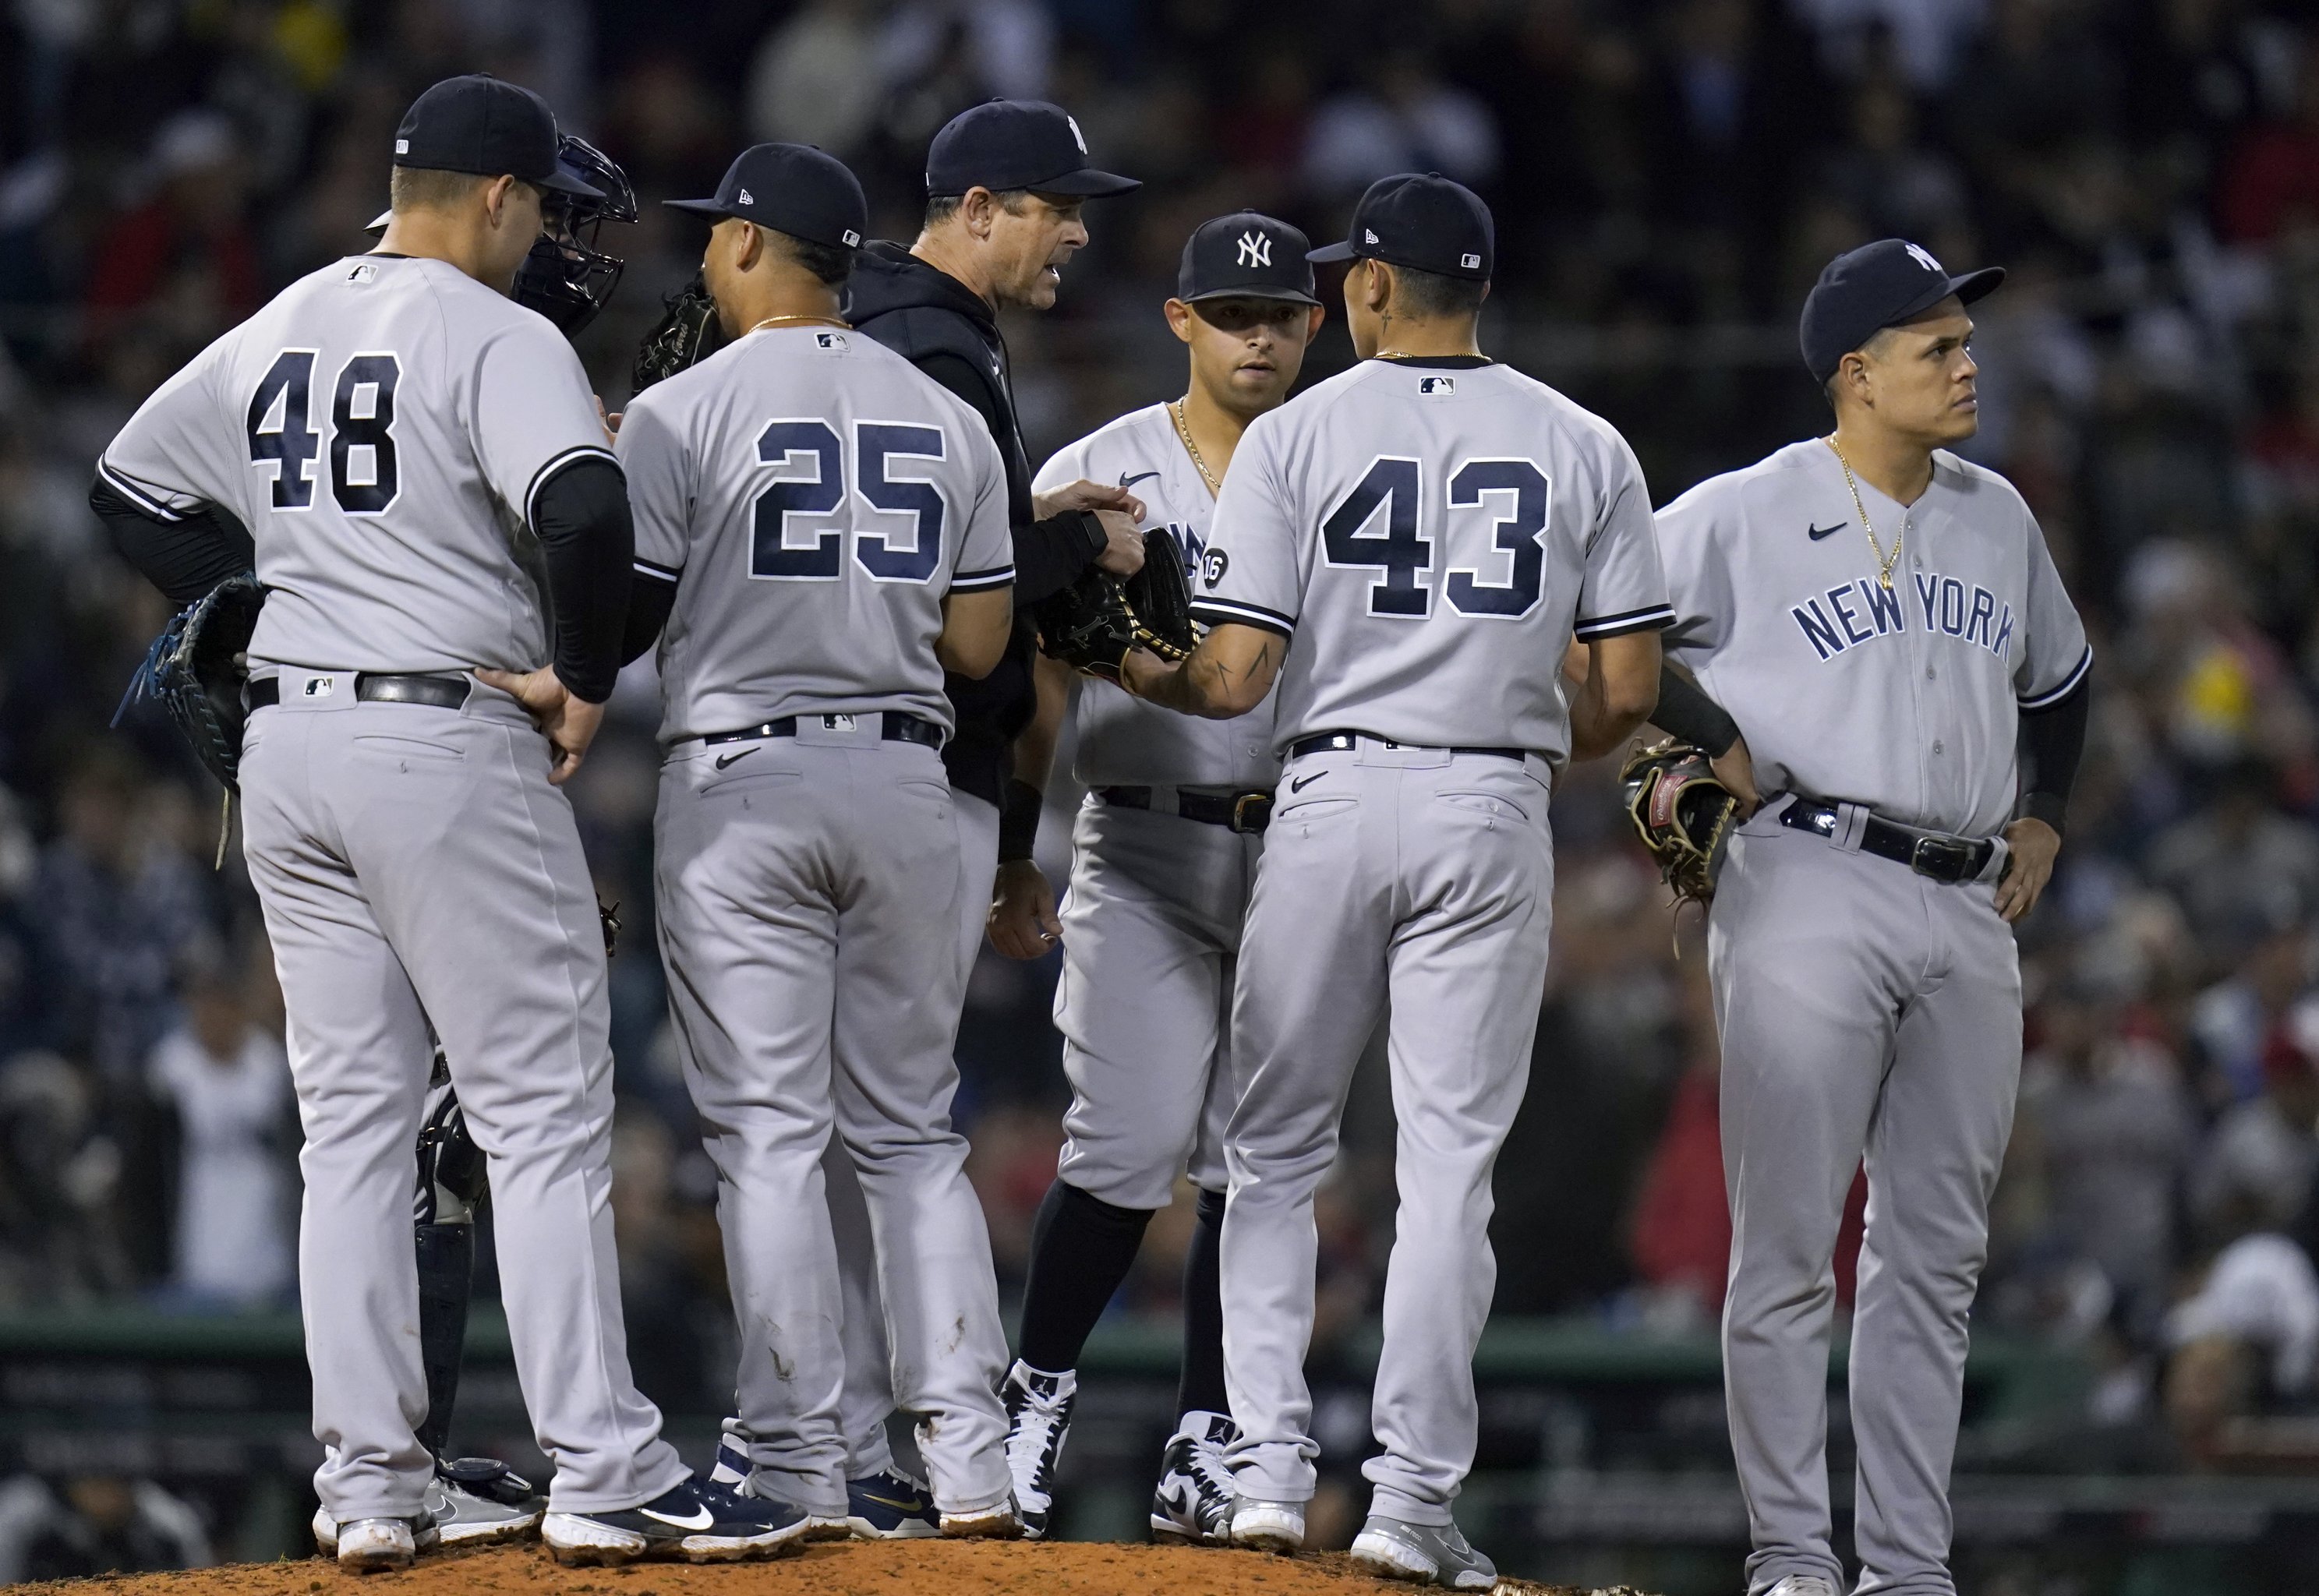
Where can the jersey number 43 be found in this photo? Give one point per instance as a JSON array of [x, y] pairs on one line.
[[283, 438], [1395, 485], [789, 446]]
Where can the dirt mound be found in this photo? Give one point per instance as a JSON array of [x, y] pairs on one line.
[[859, 1568]]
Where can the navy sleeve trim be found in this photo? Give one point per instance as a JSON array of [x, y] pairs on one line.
[[136, 495], [976, 581], [1233, 612], [1656, 618], [556, 463], [2046, 700]]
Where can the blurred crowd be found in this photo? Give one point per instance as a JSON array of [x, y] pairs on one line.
[[1667, 179]]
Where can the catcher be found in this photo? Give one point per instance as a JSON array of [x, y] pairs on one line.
[[1164, 855], [197, 670]]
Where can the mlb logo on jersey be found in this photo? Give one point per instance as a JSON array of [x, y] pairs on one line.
[[1438, 387]]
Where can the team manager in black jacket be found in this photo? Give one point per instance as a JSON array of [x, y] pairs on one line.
[[1006, 182]]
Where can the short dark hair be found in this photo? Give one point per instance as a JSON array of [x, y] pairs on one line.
[[1430, 294], [1827, 388], [422, 188], [941, 207], [831, 263]]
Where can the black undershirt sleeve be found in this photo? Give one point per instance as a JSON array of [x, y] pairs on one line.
[[650, 599], [1049, 554], [184, 558], [1685, 711], [581, 514], [2051, 742]]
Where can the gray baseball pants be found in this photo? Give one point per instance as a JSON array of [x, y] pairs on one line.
[[807, 899], [1426, 877], [414, 863], [1152, 929], [1864, 1009], [869, 1396]]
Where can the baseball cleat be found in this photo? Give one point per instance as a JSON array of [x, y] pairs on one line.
[[1194, 1500], [732, 1472], [889, 1506], [1425, 1554], [1001, 1522], [373, 1546], [1268, 1526], [473, 1501], [1038, 1416], [699, 1521], [1802, 1584]]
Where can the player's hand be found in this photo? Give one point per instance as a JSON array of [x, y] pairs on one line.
[[610, 423], [1086, 495], [1123, 547], [1022, 923], [2029, 867], [568, 721], [1736, 769]]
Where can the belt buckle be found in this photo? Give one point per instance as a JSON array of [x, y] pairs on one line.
[[1240, 822], [1945, 859]]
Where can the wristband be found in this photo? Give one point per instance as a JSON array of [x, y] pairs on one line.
[[1018, 821], [1686, 712]]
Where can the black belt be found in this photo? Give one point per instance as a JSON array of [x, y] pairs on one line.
[[898, 728], [1248, 813], [1346, 741], [440, 693], [1928, 853]]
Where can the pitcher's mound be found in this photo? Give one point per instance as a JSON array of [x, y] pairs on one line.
[[855, 1568]]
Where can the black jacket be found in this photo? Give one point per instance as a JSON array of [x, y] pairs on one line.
[[944, 328]]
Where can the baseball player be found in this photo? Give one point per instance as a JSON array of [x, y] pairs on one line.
[[1007, 183], [1164, 852], [1409, 548], [481, 1500], [827, 531], [424, 480], [1881, 622]]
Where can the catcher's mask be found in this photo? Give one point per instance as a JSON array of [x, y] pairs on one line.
[[565, 277]]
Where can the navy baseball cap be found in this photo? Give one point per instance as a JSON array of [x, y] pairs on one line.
[[1428, 223], [1873, 287], [793, 189], [1246, 254], [1002, 144], [481, 125]]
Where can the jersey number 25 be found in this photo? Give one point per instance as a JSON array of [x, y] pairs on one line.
[[786, 445], [281, 436], [1395, 484]]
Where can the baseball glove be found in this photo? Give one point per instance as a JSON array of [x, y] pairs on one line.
[[197, 668], [687, 333], [1683, 814], [1093, 624]]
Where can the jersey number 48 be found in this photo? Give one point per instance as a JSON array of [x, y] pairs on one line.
[[1395, 484], [282, 435]]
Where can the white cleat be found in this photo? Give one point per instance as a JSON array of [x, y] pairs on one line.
[[1268, 1525], [1801, 1584], [374, 1546], [1037, 1418], [1193, 1502]]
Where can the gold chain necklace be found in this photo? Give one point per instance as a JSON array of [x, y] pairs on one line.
[[1184, 431], [1884, 562], [800, 321]]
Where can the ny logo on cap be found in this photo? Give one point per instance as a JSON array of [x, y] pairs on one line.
[[1077, 138], [1255, 250], [744, 198], [1924, 260], [1470, 261]]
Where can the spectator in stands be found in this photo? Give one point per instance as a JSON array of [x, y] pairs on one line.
[[97, 1524], [225, 1082]]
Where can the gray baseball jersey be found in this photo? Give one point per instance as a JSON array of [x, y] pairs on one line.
[[1122, 741], [1864, 1008], [814, 496], [1904, 698], [1428, 536], [1431, 535], [381, 428]]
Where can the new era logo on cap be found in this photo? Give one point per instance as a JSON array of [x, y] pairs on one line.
[[1368, 237], [744, 198]]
